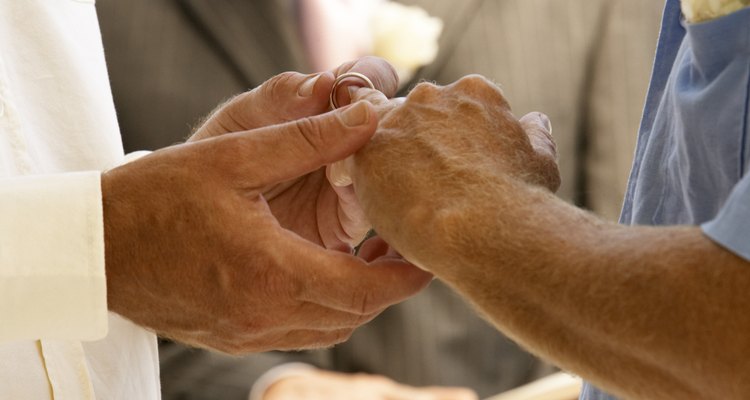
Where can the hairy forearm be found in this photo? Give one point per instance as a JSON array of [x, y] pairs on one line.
[[631, 308], [459, 186]]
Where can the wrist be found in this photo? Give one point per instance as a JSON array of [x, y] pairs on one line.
[[114, 224], [111, 256]]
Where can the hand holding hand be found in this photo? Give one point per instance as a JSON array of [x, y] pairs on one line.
[[196, 252], [307, 205], [443, 155]]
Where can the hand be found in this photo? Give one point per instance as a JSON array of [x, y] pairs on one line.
[[440, 156], [325, 385], [194, 252], [307, 205]]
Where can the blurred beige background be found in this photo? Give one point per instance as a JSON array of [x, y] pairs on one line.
[[585, 63]]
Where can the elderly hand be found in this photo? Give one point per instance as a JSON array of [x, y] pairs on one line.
[[196, 252], [442, 154], [325, 385], [308, 205]]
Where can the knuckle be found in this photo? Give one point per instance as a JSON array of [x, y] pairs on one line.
[[471, 106], [472, 81], [423, 92], [311, 134], [240, 101], [364, 304], [232, 115], [478, 85], [472, 84], [280, 87]]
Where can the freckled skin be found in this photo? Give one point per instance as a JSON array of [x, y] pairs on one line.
[[236, 242], [459, 186]]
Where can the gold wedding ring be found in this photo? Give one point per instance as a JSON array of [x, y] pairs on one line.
[[332, 99]]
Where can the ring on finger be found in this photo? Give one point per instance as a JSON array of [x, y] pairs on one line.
[[339, 79]]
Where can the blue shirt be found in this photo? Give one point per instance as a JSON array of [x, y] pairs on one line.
[[692, 157]]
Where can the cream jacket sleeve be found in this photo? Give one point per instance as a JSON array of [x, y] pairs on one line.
[[52, 282], [58, 130]]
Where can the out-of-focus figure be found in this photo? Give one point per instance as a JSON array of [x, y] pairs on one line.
[[583, 62]]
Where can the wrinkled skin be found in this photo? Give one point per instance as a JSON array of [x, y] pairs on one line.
[[233, 241], [435, 150], [462, 188]]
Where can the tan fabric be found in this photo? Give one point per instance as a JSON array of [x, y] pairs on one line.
[[57, 132], [586, 63], [703, 10], [171, 61]]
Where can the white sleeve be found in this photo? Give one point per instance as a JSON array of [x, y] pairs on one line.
[[52, 282]]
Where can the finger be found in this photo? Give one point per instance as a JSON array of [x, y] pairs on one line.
[[382, 104], [284, 97], [302, 339], [375, 97], [352, 216], [539, 130], [347, 283], [482, 88], [375, 248], [379, 71], [266, 156], [306, 339], [339, 174], [314, 316], [349, 226]]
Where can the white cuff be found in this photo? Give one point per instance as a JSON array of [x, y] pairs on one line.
[[52, 282], [130, 157], [276, 374]]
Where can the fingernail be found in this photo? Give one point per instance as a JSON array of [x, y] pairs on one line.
[[353, 91], [355, 115], [339, 173], [306, 88], [546, 122]]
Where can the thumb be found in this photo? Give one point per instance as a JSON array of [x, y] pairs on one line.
[[282, 98], [278, 153], [539, 130]]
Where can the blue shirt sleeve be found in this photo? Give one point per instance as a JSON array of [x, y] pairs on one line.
[[731, 228], [692, 165]]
